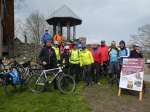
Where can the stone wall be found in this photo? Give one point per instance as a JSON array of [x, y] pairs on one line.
[[29, 51]]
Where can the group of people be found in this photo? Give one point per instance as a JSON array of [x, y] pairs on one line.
[[87, 63]]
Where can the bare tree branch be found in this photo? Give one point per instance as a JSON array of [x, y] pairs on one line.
[[143, 36]]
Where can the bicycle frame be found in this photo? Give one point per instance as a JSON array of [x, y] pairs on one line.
[[44, 72]]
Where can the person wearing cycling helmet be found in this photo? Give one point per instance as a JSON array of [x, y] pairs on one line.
[[74, 59], [86, 61], [65, 57], [57, 50]]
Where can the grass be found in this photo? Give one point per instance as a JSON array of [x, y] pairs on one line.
[[98, 98], [104, 99], [52, 101]]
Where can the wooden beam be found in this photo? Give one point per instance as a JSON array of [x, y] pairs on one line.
[[68, 31], [140, 95], [61, 31], [74, 32], [1, 28], [54, 30], [119, 92]]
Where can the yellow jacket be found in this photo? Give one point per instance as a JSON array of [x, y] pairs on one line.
[[57, 51], [74, 56], [86, 57]]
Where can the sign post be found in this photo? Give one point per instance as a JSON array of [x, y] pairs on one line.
[[132, 75]]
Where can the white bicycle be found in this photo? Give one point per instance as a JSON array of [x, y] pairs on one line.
[[65, 83]]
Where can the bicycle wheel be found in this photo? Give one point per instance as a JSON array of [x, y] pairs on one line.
[[31, 83], [66, 84], [40, 84]]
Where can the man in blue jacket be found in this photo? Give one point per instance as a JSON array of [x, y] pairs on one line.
[[46, 36]]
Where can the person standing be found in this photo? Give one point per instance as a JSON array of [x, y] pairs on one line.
[[57, 50], [113, 63], [74, 60], [124, 52], [102, 54], [45, 37], [65, 58], [47, 56], [86, 61], [95, 65], [136, 52]]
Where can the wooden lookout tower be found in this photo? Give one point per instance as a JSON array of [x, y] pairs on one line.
[[64, 17]]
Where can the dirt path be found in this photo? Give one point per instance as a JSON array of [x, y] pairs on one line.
[[105, 99]]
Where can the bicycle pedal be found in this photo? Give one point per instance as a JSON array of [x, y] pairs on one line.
[[49, 82], [41, 84]]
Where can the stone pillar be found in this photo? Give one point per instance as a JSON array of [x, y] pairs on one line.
[[68, 31], [74, 32]]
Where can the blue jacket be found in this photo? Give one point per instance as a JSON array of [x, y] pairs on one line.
[[123, 53], [46, 37], [113, 55]]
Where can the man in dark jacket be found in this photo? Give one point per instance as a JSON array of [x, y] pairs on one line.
[[136, 52], [47, 56]]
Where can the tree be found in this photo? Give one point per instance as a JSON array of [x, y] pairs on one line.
[[142, 37], [34, 27]]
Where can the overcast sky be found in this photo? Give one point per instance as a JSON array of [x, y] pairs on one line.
[[102, 19]]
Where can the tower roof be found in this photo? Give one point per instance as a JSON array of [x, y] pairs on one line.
[[63, 16]]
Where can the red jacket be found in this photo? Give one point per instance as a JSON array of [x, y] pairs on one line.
[[102, 54]]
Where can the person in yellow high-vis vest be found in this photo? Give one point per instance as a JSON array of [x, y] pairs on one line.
[[86, 61], [74, 60], [57, 50]]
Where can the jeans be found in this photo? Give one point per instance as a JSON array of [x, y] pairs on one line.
[[113, 72]]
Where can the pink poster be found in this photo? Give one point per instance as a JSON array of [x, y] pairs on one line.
[[132, 74]]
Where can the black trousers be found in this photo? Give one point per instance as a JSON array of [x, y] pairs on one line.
[[87, 73], [104, 68], [75, 71], [96, 72]]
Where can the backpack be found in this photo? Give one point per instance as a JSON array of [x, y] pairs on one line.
[[15, 76]]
